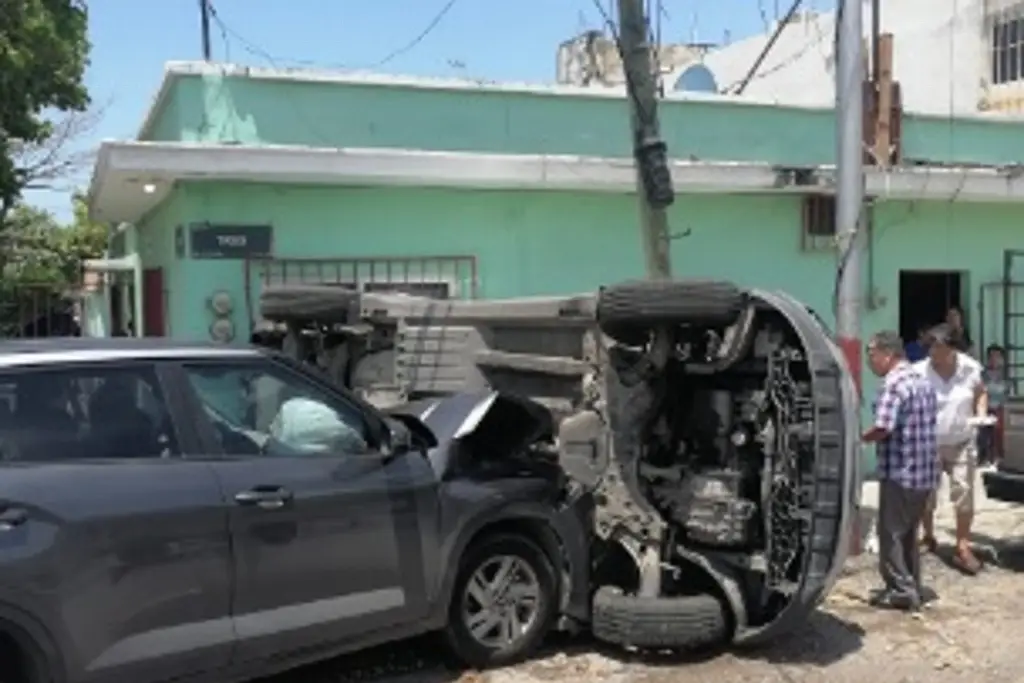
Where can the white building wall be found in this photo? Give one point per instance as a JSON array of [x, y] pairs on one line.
[[942, 58]]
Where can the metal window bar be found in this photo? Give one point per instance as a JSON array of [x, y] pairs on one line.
[[38, 311], [449, 275], [1007, 43]]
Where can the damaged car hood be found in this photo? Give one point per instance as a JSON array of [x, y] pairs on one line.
[[498, 424]]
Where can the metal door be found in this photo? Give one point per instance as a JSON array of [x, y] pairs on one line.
[[1013, 317]]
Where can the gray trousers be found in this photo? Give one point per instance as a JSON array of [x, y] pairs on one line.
[[899, 555]]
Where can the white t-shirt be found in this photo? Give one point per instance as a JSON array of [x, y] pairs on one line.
[[954, 398]]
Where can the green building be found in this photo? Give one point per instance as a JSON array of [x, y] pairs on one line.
[[244, 176]]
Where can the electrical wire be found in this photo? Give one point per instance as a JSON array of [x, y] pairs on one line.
[[420, 37], [630, 87], [254, 49]]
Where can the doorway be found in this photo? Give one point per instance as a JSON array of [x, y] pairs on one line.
[[926, 296]]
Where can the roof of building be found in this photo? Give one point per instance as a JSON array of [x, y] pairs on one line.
[[940, 58], [174, 71]]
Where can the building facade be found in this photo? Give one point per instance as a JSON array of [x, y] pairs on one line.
[[242, 176]]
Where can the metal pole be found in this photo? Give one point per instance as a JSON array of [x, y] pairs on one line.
[[850, 196], [654, 187], [204, 14], [654, 182], [850, 181]]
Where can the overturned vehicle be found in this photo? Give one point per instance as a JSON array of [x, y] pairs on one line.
[[714, 429]]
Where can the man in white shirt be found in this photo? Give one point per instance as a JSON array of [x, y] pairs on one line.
[[960, 399]]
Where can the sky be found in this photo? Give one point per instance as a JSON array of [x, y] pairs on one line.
[[503, 40]]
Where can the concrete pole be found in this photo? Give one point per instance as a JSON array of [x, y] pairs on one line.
[[204, 22], [850, 197], [654, 184], [654, 187], [850, 182]]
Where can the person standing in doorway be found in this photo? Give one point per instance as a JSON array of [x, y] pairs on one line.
[[961, 397], [905, 440], [998, 388], [960, 338], [918, 349]]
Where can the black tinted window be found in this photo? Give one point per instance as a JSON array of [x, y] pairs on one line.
[[84, 413]]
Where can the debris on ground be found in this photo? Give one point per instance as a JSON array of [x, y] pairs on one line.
[[970, 631]]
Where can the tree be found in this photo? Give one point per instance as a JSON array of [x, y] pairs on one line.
[[45, 263], [44, 50], [57, 162]]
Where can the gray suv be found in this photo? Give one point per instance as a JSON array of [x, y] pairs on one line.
[[173, 511]]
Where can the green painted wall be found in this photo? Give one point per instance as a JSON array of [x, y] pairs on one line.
[[538, 243], [261, 111], [156, 250]]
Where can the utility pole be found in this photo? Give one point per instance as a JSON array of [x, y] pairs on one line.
[[654, 189], [850, 192], [653, 180], [850, 181], [204, 17]]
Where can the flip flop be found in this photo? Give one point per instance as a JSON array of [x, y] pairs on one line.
[[966, 562]]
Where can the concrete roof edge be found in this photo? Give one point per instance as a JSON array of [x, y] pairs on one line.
[[159, 101]]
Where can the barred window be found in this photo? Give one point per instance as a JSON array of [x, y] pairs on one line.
[[1008, 46]]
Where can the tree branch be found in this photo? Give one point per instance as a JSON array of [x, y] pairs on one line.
[[60, 156]]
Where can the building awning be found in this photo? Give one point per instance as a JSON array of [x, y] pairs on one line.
[[131, 178]]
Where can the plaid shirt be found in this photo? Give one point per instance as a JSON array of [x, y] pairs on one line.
[[906, 409]]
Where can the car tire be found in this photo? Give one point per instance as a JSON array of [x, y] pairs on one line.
[[308, 302], [534, 567], [22, 663], [685, 623], [629, 310]]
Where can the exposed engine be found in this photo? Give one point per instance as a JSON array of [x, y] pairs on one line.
[[727, 449]]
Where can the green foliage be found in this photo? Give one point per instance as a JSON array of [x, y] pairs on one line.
[[44, 260], [44, 50]]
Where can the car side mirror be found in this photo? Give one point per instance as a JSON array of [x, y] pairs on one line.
[[397, 436]]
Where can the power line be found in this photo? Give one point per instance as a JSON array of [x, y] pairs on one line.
[[438, 18], [254, 49]]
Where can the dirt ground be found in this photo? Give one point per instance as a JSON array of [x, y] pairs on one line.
[[972, 631]]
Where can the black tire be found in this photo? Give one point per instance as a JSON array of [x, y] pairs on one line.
[[462, 645], [685, 623], [308, 302], [629, 310], [21, 663]]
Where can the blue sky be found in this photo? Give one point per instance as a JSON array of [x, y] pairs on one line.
[[488, 39]]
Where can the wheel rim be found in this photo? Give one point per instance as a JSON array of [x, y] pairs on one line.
[[501, 602]]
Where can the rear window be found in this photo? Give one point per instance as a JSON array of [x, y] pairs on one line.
[[83, 413]]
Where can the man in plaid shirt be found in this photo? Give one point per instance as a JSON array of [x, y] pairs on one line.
[[908, 467]]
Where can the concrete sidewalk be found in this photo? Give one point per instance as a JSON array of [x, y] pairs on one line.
[[992, 518]]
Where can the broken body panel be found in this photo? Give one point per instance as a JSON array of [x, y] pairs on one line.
[[718, 437]]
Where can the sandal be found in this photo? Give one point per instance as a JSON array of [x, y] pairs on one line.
[[929, 544], [966, 562]]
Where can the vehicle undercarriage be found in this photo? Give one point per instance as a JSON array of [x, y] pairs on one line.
[[713, 428]]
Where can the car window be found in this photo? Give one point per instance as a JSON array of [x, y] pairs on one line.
[[261, 409], [79, 413]]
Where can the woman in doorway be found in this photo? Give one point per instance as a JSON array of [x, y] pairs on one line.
[[960, 338], [994, 375]]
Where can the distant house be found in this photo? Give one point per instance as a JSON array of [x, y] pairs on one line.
[[952, 57]]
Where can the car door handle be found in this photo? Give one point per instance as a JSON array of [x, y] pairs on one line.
[[11, 518], [267, 498]]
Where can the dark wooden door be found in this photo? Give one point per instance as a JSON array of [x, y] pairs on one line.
[[153, 314]]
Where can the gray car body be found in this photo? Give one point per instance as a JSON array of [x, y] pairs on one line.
[[147, 570]]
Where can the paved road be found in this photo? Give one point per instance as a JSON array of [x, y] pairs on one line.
[[973, 631]]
